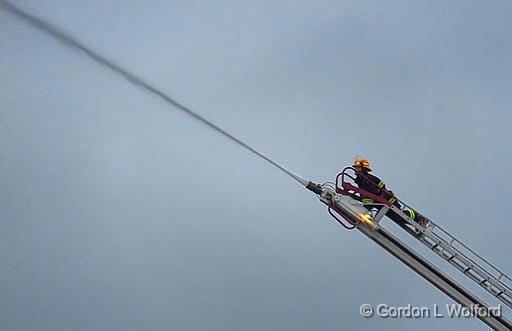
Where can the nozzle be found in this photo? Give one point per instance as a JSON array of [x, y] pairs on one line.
[[313, 187]]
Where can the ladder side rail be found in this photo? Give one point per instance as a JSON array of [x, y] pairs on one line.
[[470, 263], [450, 244], [481, 272], [475, 274], [447, 246], [501, 276], [454, 239], [433, 225]]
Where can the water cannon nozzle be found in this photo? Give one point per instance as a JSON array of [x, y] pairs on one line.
[[314, 187]]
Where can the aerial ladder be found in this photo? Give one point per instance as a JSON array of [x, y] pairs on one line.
[[342, 202]]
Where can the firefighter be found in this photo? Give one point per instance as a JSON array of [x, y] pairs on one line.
[[376, 186]]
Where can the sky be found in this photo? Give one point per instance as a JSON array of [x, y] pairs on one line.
[[118, 212]]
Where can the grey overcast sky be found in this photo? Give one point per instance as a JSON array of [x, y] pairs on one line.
[[120, 213]]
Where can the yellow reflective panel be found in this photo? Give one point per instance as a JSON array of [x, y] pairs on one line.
[[365, 218]]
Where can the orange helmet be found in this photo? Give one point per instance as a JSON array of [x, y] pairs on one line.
[[362, 162]]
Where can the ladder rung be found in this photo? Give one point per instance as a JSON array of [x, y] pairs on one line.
[[507, 300], [457, 264], [477, 279]]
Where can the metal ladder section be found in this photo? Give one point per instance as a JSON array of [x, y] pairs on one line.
[[432, 274], [463, 258]]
